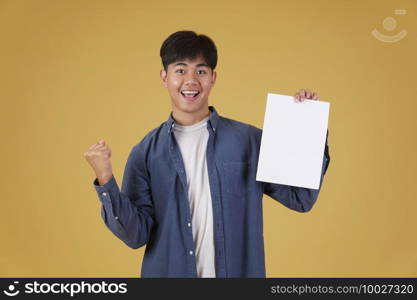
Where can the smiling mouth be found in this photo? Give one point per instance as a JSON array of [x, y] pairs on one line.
[[190, 95]]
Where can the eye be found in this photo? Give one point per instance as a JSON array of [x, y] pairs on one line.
[[202, 72], [179, 71]]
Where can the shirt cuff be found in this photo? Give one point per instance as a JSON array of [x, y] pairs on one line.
[[108, 190]]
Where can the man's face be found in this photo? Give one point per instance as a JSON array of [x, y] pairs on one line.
[[189, 83]]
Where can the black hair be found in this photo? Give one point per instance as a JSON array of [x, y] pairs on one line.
[[185, 44]]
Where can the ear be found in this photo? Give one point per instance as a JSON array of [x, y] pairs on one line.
[[214, 76], [163, 75]]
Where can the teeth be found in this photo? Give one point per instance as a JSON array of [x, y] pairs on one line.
[[190, 92]]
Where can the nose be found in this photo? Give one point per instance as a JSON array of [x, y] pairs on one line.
[[190, 79]]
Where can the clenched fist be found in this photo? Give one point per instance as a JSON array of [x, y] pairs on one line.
[[98, 156]]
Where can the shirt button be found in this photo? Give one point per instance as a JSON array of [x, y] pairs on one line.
[[189, 224], [104, 194], [191, 252], [117, 218]]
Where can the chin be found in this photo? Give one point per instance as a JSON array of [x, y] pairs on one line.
[[190, 107]]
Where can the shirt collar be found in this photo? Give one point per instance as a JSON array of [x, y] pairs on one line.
[[212, 121]]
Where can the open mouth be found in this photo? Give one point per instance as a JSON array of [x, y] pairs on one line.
[[190, 95]]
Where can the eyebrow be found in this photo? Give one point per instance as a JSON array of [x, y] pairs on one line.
[[184, 64]]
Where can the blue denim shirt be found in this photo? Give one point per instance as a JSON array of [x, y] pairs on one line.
[[152, 206]]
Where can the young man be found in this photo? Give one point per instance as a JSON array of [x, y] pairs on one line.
[[189, 190]]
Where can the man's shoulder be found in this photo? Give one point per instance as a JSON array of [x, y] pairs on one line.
[[150, 137], [240, 126]]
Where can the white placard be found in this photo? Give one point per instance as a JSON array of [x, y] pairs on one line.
[[293, 141]]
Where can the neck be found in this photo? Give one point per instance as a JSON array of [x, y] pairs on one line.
[[185, 119]]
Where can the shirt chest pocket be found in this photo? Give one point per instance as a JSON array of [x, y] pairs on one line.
[[237, 178]]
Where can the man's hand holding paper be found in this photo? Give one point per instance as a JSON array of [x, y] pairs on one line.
[[293, 140]]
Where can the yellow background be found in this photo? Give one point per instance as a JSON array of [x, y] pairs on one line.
[[72, 72]]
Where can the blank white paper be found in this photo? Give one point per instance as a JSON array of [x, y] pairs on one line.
[[293, 141]]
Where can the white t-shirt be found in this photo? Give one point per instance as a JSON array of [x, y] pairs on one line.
[[192, 141]]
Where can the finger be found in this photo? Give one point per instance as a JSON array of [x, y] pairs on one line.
[[308, 94], [91, 147], [102, 148], [100, 143], [303, 95], [98, 149], [296, 98], [90, 153], [316, 96]]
